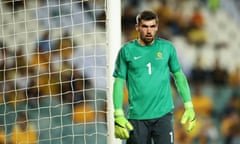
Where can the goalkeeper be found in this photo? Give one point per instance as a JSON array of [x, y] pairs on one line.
[[146, 64]]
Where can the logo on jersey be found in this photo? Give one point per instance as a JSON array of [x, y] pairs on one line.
[[159, 55], [137, 57]]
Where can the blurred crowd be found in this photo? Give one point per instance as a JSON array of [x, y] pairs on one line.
[[47, 77], [172, 21], [26, 80]]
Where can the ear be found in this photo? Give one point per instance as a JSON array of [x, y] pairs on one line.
[[137, 27]]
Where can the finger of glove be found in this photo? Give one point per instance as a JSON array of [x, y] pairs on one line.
[[121, 133], [121, 121], [191, 125], [187, 116], [129, 126], [184, 118], [124, 123]]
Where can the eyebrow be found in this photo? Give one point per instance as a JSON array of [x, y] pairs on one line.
[[144, 25]]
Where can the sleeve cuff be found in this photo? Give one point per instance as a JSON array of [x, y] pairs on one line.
[[118, 112], [188, 104]]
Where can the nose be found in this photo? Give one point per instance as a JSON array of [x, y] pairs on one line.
[[149, 30]]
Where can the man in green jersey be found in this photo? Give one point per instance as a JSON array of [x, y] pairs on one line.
[[146, 64]]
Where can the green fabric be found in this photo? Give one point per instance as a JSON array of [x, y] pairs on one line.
[[122, 125], [146, 70], [182, 86], [184, 91], [118, 93], [189, 116]]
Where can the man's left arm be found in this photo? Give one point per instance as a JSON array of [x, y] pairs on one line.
[[184, 91]]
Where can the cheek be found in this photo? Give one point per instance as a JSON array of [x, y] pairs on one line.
[[154, 31], [142, 33]]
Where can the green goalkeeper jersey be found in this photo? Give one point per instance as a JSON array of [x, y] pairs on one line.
[[146, 70]]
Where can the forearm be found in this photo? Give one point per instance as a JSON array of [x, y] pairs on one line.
[[182, 86], [184, 91], [118, 93]]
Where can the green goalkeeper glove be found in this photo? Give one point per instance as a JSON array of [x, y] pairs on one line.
[[122, 125], [189, 116]]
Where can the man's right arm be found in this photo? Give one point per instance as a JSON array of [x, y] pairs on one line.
[[122, 125], [118, 93]]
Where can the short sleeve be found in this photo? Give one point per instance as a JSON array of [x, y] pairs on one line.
[[120, 68], [174, 64]]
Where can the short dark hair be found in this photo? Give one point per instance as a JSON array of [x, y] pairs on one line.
[[146, 15]]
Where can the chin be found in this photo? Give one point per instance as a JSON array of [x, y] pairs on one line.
[[148, 41]]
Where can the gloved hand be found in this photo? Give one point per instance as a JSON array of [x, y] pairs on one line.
[[189, 116], [122, 125]]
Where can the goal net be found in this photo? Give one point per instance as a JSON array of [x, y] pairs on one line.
[[54, 76]]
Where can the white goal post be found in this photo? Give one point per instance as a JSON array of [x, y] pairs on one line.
[[114, 41]]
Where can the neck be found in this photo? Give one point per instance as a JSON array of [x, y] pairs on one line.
[[142, 43]]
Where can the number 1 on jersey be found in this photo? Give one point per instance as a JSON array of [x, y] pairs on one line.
[[149, 68]]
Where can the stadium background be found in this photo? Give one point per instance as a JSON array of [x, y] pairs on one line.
[[60, 41]]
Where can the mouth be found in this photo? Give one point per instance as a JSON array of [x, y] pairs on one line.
[[148, 37]]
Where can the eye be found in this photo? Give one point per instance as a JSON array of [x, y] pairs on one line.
[[153, 26]]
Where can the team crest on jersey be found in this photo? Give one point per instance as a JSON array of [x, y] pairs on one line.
[[159, 55]]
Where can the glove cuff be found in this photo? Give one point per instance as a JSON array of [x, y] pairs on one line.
[[188, 105], [118, 112]]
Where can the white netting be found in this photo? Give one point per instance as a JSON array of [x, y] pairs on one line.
[[53, 71]]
